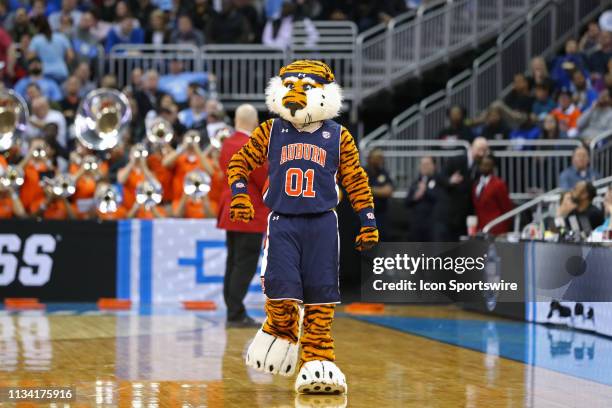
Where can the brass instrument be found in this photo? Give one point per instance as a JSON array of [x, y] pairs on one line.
[[220, 135], [139, 150], [197, 184], [102, 118], [107, 199], [13, 118], [90, 163], [12, 178], [149, 193], [159, 131], [62, 185], [192, 137]]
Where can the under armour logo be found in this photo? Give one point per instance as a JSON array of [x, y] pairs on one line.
[[301, 75], [284, 130]]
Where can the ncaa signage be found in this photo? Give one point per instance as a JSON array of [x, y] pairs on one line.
[[58, 260]]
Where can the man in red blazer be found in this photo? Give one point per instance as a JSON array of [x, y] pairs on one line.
[[490, 197], [243, 239]]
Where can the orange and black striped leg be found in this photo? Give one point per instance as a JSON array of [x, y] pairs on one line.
[[318, 373], [275, 346]]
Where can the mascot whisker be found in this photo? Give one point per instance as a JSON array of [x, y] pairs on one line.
[[308, 155]]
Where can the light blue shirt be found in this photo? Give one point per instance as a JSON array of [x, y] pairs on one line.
[[48, 87], [176, 85], [570, 177], [52, 53]]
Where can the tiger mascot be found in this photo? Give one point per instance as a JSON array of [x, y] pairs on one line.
[[308, 155]]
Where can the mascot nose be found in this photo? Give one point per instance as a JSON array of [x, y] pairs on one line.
[[293, 106]]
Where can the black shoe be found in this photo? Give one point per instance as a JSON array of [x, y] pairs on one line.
[[243, 323]]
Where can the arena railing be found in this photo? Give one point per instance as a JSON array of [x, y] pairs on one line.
[[543, 30], [536, 206], [601, 153]]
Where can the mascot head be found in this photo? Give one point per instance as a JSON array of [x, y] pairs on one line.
[[304, 92]]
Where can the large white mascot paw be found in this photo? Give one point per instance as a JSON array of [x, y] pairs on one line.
[[320, 377], [272, 355]]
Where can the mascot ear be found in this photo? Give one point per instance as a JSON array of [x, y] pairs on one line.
[[274, 95]]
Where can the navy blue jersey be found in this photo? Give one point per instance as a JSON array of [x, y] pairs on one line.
[[303, 168]]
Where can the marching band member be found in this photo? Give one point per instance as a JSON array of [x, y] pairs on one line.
[[134, 173], [147, 202]]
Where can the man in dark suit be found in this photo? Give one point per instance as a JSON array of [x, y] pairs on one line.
[[148, 98], [455, 198], [421, 200]]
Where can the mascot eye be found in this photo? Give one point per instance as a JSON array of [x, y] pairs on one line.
[[307, 87], [290, 85]]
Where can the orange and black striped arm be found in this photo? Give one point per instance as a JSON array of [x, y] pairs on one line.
[[355, 180], [251, 156]]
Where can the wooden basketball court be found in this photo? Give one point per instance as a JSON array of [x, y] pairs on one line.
[[408, 357]]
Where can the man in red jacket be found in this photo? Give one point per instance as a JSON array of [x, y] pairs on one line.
[[490, 197], [243, 239]]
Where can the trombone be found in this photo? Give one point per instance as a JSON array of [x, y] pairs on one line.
[[159, 132]]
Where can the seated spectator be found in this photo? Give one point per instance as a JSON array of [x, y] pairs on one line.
[[526, 131], [278, 30], [32, 92], [10, 203], [83, 73], [124, 33], [53, 49], [229, 27], [580, 170], [147, 211], [519, 99], [157, 33], [582, 217], [195, 116], [550, 129], [381, 185], [457, 129], [69, 9], [148, 97], [543, 103], [84, 43], [567, 113], [42, 115], [583, 94], [177, 81], [421, 199], [17, 60], [597, 119], [21, 25], [490, 197], [135, 172], [122, 11], [185, 33], [598, 61], [589, 40], [495, 128], [70, 103], [598, 233], [5, 46], [49, 88], [565, 65], [539, 72], [215, 117], [58, 154], [142, 10]]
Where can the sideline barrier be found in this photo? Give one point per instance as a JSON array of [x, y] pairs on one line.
[[161, 261]]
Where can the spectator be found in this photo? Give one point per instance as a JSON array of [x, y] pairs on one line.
[[539, 72], [550, 129], [490, 197], [543, 103], [421, 200], [584, 217], [519, 101], [597, 119], [122, 11], [147, 210], [457, 129], [5, 46], [84, 43], [526, 131], [589, 40], [157, 33], [10, 203], [42, 115], [185, 33], [124, 33], [278, 31], [495, 128], [143, 9], [565, 65], [215, 117], [69, 9], [229, 27], [381, 185], [598, 61], [580, 170], [21, 25], [583, 94], [148, 97], [567, 113], [17, 60], [83, 73], [49, 88], [109, 81], [177, 81], [58, 154], [607, 203], [53, 49], [32, 92], [455, 194], [70, 103], [243, 240], [195, 116]]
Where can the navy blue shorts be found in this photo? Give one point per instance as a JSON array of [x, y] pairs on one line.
[[301, 258]]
